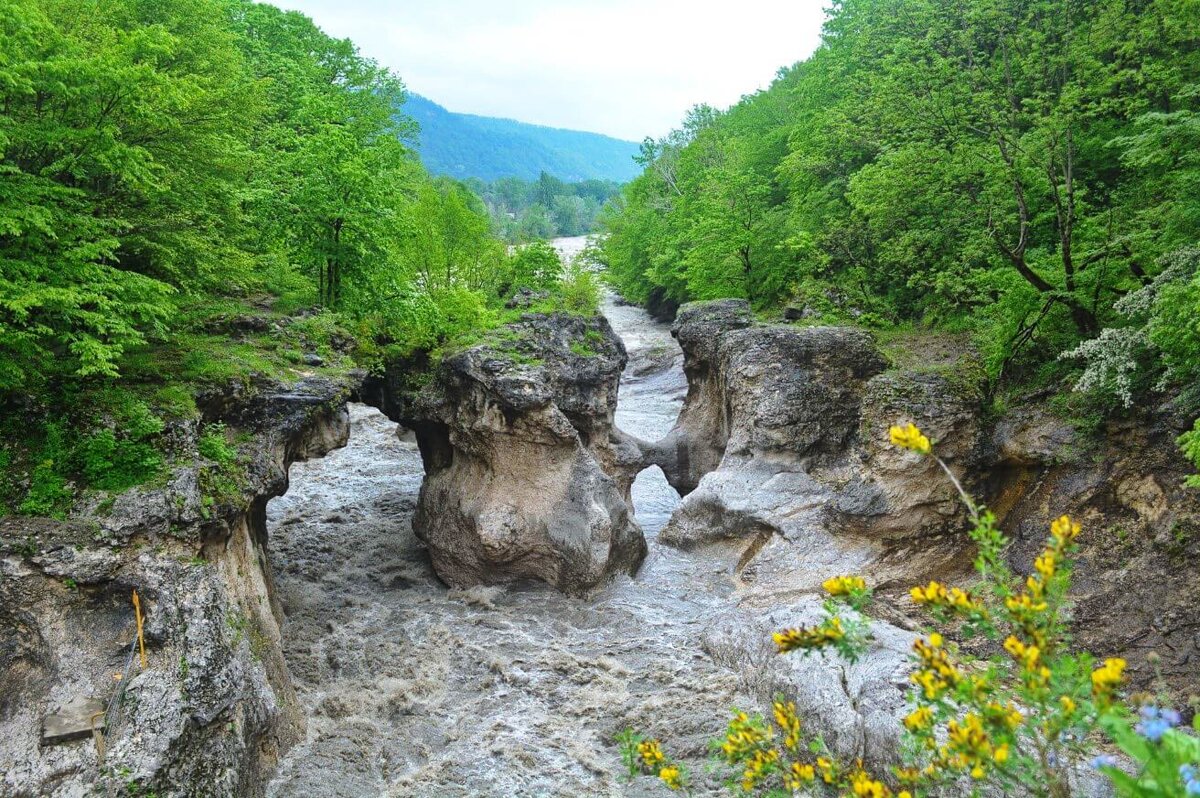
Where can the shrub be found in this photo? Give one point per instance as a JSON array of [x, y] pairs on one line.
[[1189, 444], [215, 446], [1014, 721], [579, 290], [535, 266], [1159, 341], [48, 493], [126, 455]]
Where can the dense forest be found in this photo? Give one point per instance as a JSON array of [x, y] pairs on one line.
[[174, 172], [523, 211], [469, 146], [1025, 171]]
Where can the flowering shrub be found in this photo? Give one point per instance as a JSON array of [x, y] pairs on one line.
[[1015, 720]]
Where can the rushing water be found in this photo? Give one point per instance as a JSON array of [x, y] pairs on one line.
[[411, 689]]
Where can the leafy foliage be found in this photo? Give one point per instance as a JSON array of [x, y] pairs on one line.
[[1189, 442], [177, 180], [1011, 168], [528, 210]]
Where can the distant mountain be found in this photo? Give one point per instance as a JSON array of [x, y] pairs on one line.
[[465, 145]]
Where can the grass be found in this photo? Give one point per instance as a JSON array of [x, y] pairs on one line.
[[583, 349], [108, 436]]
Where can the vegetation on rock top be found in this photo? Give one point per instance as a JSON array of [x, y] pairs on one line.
[[206, 192]]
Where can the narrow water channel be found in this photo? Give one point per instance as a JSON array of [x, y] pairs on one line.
[[411, 689]]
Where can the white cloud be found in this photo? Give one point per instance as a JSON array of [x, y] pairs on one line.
[[629, 68]]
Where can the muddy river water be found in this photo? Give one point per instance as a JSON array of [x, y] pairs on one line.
[[411, 689]]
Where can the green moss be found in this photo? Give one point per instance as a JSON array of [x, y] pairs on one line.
[[174, 401], [583, 349]]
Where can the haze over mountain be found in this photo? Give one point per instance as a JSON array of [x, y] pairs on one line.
[[466, 145]]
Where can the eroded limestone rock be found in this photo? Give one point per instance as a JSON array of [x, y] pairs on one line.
[[790, 479], [782, 445], [215, 707], [526, 476]]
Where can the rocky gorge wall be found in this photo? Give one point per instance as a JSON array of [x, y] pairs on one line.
[[781, 449], [215, 708]]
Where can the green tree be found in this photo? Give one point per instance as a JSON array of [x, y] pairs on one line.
[[1009, 167], [121, 148], [334, 167]]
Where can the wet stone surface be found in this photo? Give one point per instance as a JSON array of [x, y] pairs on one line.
[[413, 689]]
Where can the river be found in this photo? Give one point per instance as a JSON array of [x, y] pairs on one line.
[[411, 689]]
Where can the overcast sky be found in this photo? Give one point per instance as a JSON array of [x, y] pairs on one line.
[[628, 68]]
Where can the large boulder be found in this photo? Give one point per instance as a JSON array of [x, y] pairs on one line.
[[697, 444], [526, 475], [782, 451], [896, 495]]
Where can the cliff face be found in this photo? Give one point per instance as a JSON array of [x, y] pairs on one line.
[[782, 444], [1137, 584], [526, 475], [782, 451], [215, 708]]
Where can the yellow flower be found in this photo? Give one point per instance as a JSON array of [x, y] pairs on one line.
[[1023, 605], [919, 718], [968, 746], [1027, 655], [1068, 704], [757, 768], [827, 769], [671, 777], [1064, 530], [909, 437], [866, 787], [934, 594], [798, 776], [1045, 564], [1004, 715], [844, 585], [955, 599], [962, 600], [808, 637], [1108, 676], [938, 672], [651, 753], [787, 720], [742, 737]]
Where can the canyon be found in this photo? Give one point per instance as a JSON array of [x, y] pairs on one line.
[[584, 525]]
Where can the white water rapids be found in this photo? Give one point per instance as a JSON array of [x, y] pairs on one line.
[[411, 689]]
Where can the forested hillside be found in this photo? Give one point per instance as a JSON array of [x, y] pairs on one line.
[[544, 208], [466, 145], [1025, 171], [203, 191]]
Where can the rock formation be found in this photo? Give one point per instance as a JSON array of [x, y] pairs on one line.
[[783, 454], [526, 476], [781, 450], [215, 708]]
